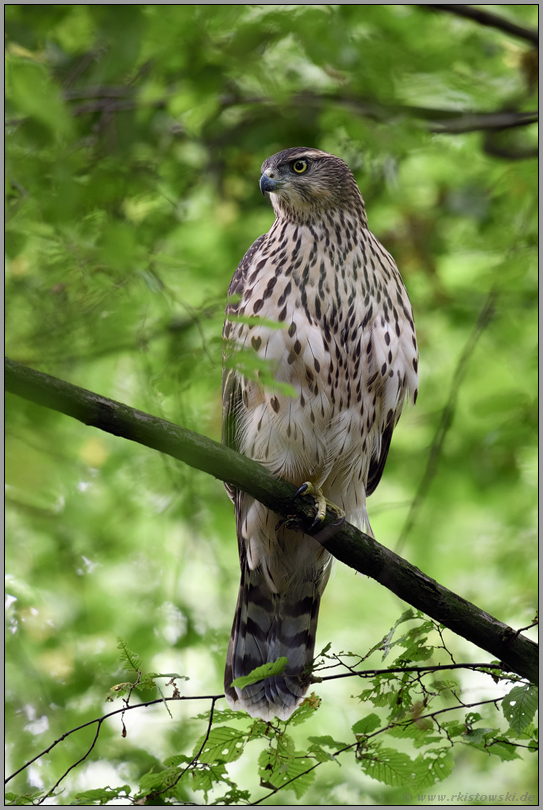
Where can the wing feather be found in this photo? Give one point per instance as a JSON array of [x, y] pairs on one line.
[[231, 389]]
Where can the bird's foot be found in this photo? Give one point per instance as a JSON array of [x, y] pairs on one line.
[[321, 504]]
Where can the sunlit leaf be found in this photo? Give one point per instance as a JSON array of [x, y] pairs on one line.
[[262, 672], [519, 706], [224, 744], [390, 766]]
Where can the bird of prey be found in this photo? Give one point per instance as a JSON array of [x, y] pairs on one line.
[[321, 302]]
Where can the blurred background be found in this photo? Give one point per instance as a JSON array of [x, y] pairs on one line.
[[135, 135]]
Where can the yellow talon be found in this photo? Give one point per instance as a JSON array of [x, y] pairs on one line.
[[321, 504]]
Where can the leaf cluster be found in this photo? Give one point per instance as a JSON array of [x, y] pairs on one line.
[[414, 700]]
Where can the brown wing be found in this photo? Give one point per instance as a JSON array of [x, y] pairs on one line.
[[231, 391], [377, 465]]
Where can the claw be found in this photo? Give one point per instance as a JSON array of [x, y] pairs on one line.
[[321, 504], [303, 489]]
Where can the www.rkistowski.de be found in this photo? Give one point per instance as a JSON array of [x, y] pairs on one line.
[[524, 798]]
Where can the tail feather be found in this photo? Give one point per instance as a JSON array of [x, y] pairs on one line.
[[269, 625]]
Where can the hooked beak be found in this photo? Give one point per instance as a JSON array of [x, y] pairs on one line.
[[269, 184]]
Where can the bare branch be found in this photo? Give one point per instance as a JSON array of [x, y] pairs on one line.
[[346, 543], [435, 119], [196, 756], [101, 91], [372, 673], [100, 720], [488, 18], [485, 122], [75, 764]]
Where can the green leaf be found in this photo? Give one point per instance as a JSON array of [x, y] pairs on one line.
[[529, 733], [383, 692], [385, 644], [367, 724], [224, 744], [433, 766], [261, 673], [178, 759], [413, 731], [305, 710], [519, 706], [206, 779], [454, 728], [152, 782], [129, 659], [146, 682], [321, 755], [416, 652], [25, 798], [318, 744], [472, 718], [328, 741], [477, 736], [414, 642], [102, 795], [502, 749], [278, 767], [233, 797], [35, 94], [389, 766]]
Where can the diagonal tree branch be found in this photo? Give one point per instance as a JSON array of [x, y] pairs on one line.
[[488, 18], [346, 543], [435, 119]]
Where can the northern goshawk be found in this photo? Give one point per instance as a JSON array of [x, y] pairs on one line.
[[346, 344]]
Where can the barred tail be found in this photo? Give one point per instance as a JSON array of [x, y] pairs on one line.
[[268, 625]]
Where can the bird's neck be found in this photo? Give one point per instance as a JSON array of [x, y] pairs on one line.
[[331, 227]]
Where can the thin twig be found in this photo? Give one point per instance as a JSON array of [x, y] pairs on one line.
[[196, 757], [100, 720], [447, 415], [370, 673], [75, 764]]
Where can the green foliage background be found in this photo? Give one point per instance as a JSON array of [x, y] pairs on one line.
[[134, 140]]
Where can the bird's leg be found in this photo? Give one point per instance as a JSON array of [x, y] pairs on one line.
[[321, 504]]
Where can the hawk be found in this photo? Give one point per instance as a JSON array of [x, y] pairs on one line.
[[322, 305]]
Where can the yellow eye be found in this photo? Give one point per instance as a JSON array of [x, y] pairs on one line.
[[299, 166]]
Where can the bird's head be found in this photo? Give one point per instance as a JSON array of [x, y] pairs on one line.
[[304, 184]]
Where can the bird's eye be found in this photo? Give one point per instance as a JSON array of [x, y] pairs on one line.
[[299, 166]]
